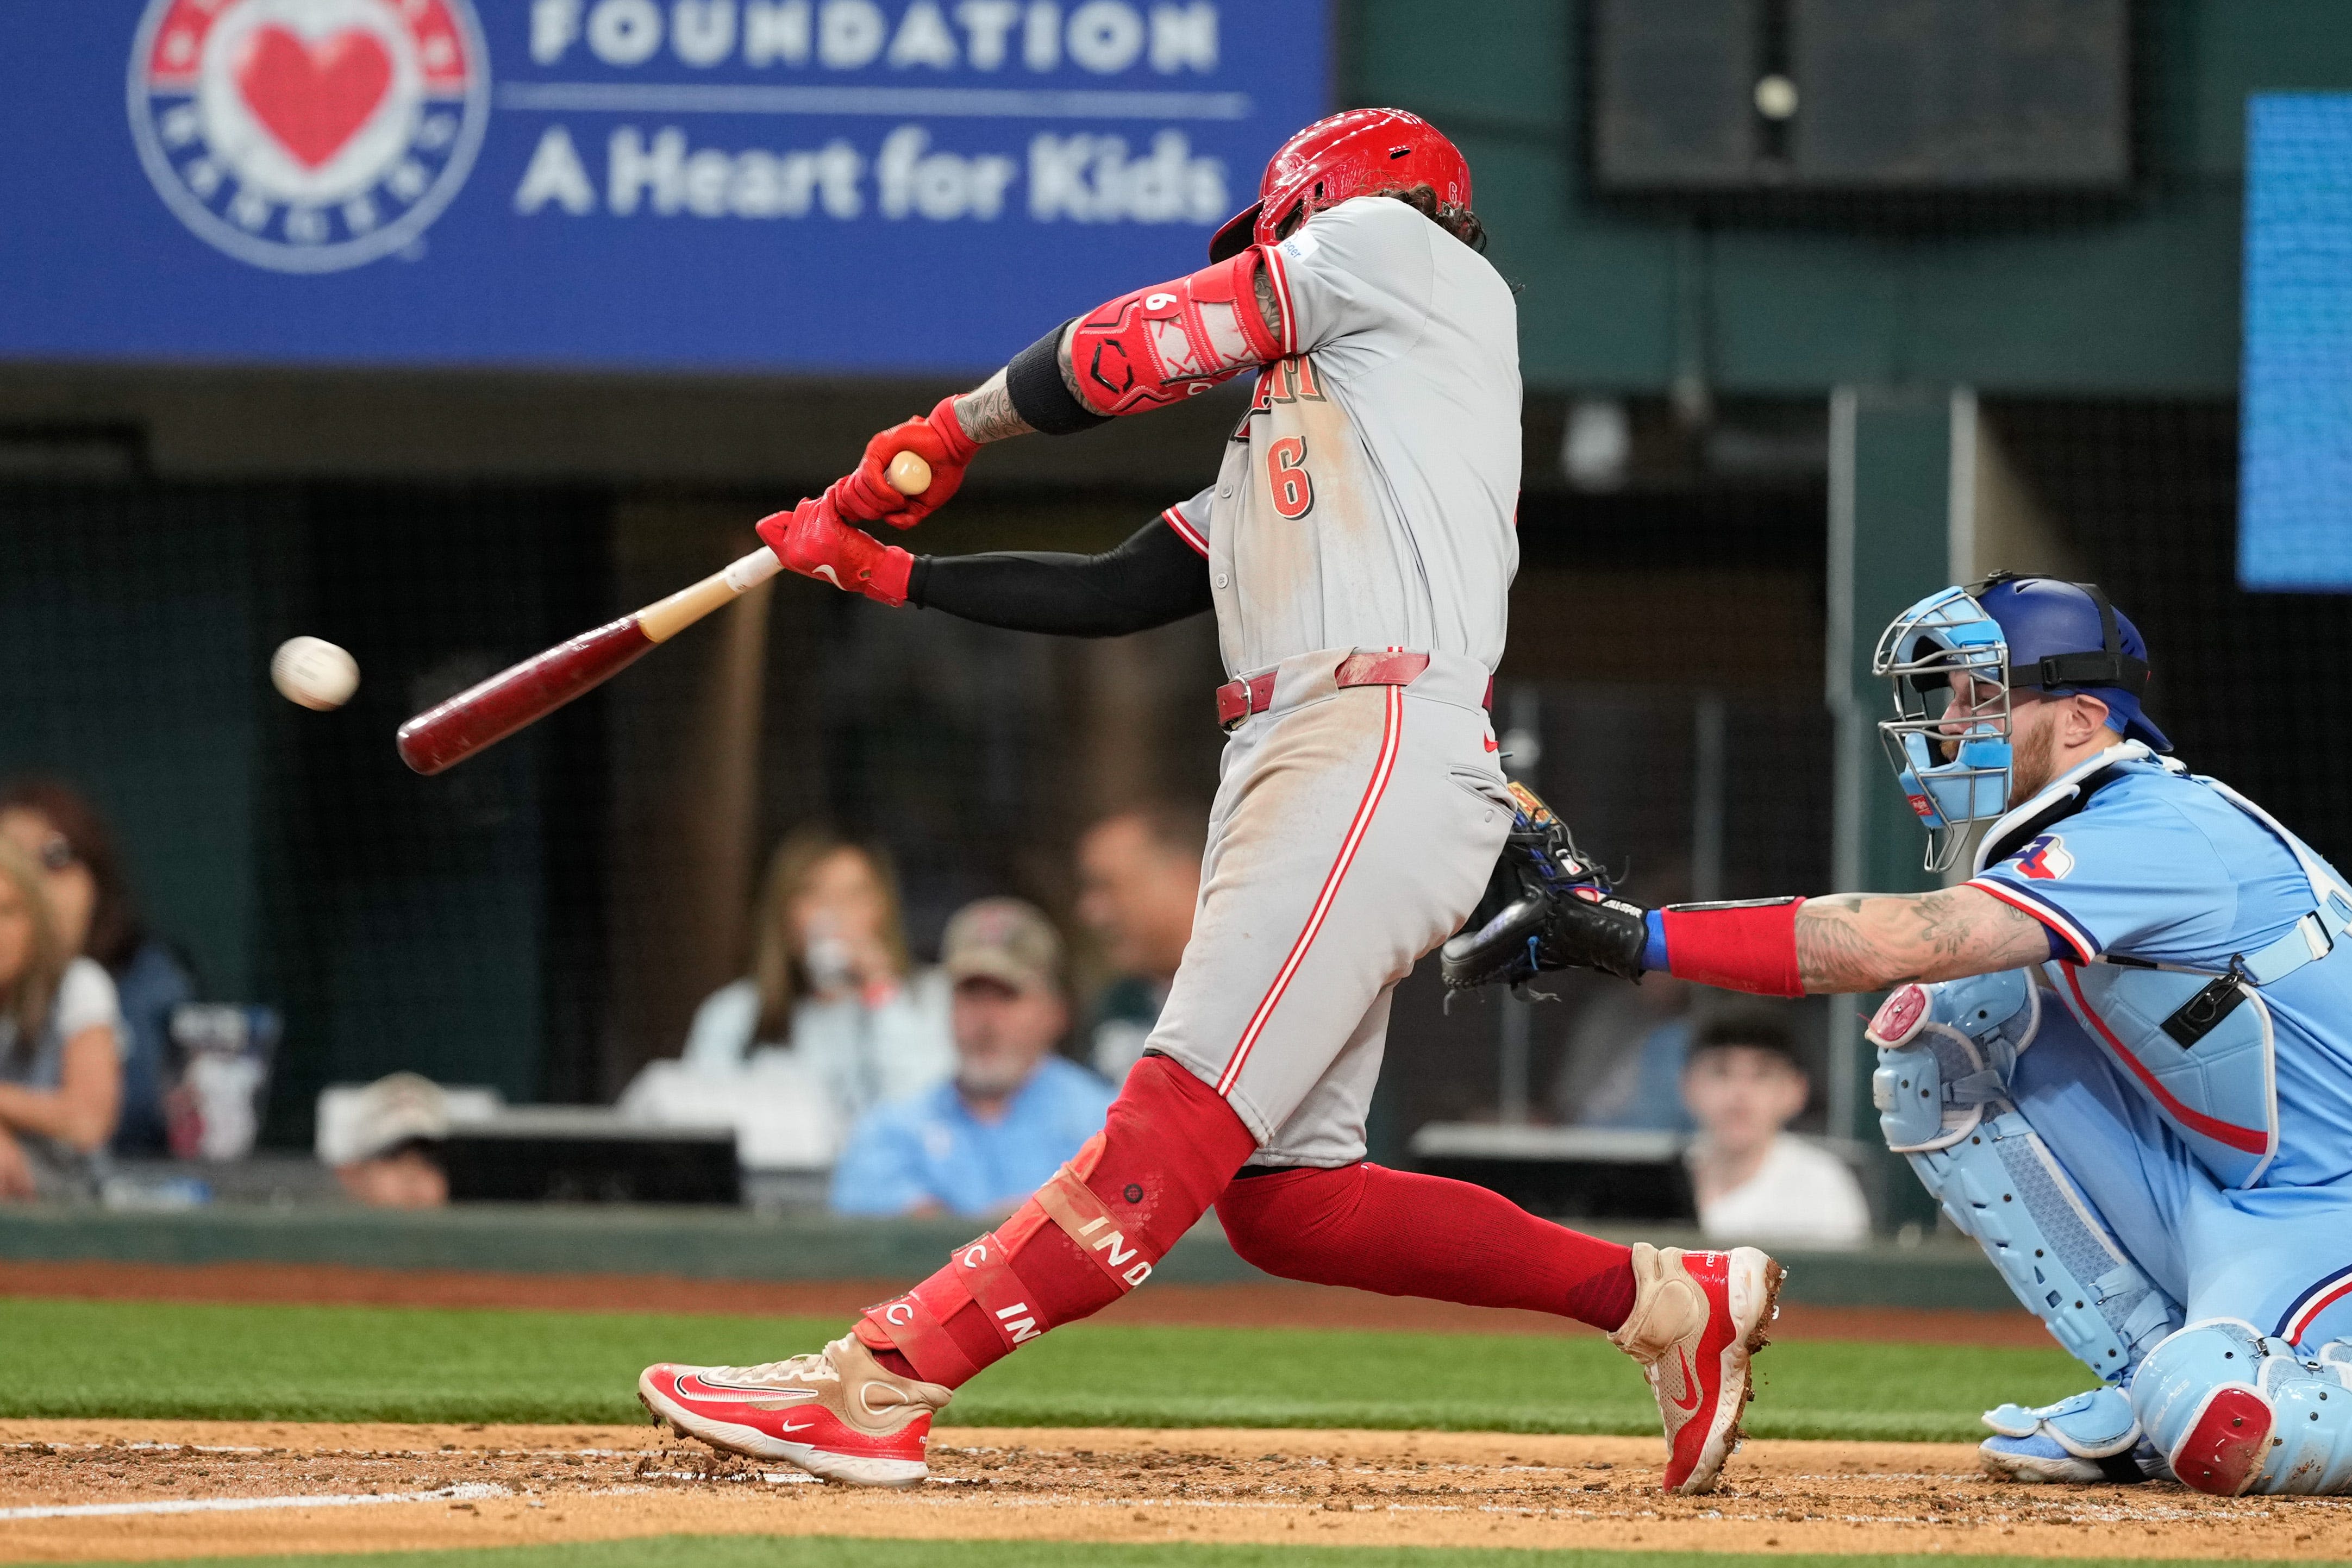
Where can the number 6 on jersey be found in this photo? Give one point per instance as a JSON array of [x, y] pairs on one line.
[[1286, 471]]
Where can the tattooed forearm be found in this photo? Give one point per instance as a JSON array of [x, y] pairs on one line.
[[1870, 941], [1062, 363], [1267, 306], [986, 412]]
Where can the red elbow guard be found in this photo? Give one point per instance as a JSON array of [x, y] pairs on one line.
[[1741, 947], [1173, 340]]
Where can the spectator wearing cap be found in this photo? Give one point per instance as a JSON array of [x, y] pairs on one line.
[[1139, 879], [979, 1143], [380, 1140], [1755, 1182]]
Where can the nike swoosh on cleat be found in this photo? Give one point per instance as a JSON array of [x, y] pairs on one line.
[[1690, 1383]]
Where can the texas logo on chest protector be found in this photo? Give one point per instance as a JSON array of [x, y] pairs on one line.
[[309, 135]]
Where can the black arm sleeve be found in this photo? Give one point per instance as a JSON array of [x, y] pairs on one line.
[[1154, 577]]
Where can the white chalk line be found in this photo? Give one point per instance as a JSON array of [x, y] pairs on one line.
[[469, 1492]]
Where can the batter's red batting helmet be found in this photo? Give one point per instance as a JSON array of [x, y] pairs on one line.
[[1349, 155]]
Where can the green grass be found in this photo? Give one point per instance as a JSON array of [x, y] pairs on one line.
[[360, 1364], [833, 1551]]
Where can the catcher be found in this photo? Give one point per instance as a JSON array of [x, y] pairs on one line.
[[1356, 550], [2119, 1054]]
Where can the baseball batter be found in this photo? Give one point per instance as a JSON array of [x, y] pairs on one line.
[[1357, 550], [2119, 1054]]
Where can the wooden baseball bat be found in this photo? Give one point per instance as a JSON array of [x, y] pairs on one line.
[[487, 713]]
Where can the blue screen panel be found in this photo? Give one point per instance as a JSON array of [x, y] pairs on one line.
[[2294, 518], [787, 186]]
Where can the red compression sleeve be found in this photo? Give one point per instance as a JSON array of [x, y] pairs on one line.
[[1403, 1234], [1738, 947]]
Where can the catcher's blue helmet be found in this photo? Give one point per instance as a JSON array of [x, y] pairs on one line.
[[2066, 637], [2004, 633]]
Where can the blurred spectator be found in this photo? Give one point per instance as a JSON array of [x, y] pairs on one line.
[[830, 986], [1624, 1061], [1013, 1112], [1755, 1182], [1138, 878], [60, 1046], [97, 918], [380, 1140]]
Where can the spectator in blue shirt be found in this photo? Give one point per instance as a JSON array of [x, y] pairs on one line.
[[981, 1142]]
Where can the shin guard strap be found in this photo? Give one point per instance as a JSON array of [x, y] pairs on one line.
[[1069, 1203], [908, 1326], [984, 1267]]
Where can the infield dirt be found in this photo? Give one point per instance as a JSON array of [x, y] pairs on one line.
[[373, 1488]]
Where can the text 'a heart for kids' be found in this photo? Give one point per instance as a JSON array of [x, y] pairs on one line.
[[1081, 178]]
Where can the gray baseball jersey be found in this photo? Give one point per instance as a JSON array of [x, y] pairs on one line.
[[1365, 504], [1368, 498]]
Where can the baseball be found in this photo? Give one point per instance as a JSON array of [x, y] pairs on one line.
[[313, 672]]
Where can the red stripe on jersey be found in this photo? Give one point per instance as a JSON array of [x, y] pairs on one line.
[[2026, 906], [1186, 531], [1390, 736], [1281, 277], [2327, 1295]]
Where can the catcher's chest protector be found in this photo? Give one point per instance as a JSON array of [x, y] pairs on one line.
[[2200, 1043]]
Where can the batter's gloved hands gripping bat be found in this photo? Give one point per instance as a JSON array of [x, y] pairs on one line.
[[867, 494], [1547, 906], [813, 540]]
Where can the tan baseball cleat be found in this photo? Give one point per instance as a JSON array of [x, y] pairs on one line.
[[835, 1412], [1697, 1318]]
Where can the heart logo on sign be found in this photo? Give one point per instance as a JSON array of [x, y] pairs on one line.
[[314, 97]]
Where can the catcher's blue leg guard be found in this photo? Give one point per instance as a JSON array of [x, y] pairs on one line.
[[1945, 1055], [2235, 1411]]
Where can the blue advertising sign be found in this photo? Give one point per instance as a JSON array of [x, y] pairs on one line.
[[2295, 486], [804, 186]]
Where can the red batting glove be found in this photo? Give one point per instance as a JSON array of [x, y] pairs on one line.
[[865, 496], [813, 542]]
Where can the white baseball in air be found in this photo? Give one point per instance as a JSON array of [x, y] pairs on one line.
[[313, 672]]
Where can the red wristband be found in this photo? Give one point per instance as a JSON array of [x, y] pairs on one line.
[[1738, 947]]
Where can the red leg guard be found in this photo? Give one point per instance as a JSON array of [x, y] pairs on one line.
[[1089, 1235], [1407, 1235]]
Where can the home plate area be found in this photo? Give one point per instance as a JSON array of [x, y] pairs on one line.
[[82, 1491]]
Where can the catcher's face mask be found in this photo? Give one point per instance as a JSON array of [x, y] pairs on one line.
[[1948, 740]]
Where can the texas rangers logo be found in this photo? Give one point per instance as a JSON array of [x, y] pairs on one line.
[[2045, 858], [309, 135]]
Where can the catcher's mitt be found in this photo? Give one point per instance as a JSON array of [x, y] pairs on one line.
[[1541, 887]]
